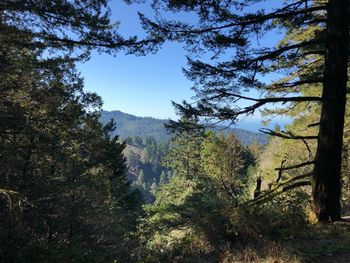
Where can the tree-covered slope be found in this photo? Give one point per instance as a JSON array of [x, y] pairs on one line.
[[129, 125]]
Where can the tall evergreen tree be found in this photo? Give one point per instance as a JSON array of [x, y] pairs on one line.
[[62, 178], [229, 26], [227, 161], [188, 211], [183, 157]]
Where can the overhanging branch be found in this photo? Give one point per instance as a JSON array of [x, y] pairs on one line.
[[249, 20]]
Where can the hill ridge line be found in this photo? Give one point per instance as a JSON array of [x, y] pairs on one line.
[[129, 125]]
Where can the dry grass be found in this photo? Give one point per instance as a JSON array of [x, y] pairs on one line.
[[321, 243]]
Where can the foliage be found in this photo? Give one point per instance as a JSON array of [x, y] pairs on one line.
[[305, 118], [315, 53], [136, 129], [64, 191], [225, 160], [145, 164], [191, 214], [64, 27], [63, 188]]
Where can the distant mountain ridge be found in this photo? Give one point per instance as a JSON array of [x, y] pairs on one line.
[[129, 125]]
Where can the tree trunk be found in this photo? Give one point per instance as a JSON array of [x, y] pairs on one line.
[[257, 190], [326, 186]]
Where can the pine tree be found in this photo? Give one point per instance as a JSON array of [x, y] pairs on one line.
[[163, 178], [230, 26], [140, 181], [188, 209], [59, 167], [226, 161], [184, 156], [63, 189]]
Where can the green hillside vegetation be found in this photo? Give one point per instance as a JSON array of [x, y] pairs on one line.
[[77, 187], [146, 170], [147, 161], [131, 126]]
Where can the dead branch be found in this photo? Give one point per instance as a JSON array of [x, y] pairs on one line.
[[280, 170], [295, 166], [279, 189], [313, 124], [293, 186], [287, 135], [308, 148]]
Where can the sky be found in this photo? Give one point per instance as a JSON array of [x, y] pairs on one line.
[[143, 86], [146, 85]]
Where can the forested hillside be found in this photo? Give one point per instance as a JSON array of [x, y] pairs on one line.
[[129, 126], [78, 187], [146, 169]]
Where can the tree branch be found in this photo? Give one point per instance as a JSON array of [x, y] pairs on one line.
[[298, 184], [314, 124], [297, 83], [244, 21], [280, 170], [287, 135], [277, 189], [295, 166]]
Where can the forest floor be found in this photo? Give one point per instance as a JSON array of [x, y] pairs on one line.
[[342, 256], [328, 243]]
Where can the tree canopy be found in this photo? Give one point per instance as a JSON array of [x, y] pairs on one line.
[[231, 31], [71, 190]]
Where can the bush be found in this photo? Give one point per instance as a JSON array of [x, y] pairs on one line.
[[280, 217]]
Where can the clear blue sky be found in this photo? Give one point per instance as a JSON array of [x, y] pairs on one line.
[[142, 86]]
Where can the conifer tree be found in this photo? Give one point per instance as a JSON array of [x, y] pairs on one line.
[[163, 178], [141, 180], [188, 210], [63, 25], [62, 177], [227, 161], [231, 32]]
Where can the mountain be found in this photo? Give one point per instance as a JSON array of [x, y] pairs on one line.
[[129, 125]]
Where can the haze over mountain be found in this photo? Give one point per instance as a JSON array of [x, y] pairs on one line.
[[129, 125]]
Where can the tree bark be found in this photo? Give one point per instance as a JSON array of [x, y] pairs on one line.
[[257, 190], [326, 185]]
